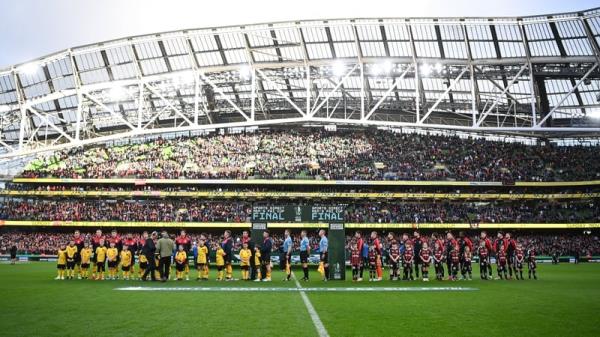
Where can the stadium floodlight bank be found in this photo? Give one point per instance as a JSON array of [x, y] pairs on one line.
[[531, 76]]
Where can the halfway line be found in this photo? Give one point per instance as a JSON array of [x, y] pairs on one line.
[[311, 311]]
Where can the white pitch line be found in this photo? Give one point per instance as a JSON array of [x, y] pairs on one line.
[[312, 289], [311, 311]]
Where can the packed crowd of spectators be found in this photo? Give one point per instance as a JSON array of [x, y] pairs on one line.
[[192, 210], [566, 244], [359, 155]]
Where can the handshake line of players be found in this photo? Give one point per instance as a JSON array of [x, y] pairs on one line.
[[456, 254], [70, 258]]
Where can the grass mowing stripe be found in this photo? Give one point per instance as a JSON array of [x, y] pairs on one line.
[[283, 289], [311, 311]]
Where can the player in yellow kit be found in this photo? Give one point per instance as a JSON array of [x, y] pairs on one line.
[[202, 261], [112, 254], [71, 256], [220, 262], [126, 259], [86, 255], [61, 262], [245, 255], [100, 261], [257, 263], [180, 263], [143, 264]]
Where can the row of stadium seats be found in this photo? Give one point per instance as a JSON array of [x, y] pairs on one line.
[[544, 243], [193, 210], [359, 155]]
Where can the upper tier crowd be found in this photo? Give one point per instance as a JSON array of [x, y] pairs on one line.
[[359, 155], [544, 244], [192, 210]]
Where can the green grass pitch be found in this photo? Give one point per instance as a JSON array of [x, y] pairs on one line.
[[565, 301]]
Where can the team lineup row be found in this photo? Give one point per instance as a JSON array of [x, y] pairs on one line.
[[417, 254]]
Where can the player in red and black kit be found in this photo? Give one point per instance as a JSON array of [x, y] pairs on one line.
[[438, 242], [376, 244], [359, 244], [451, 244], [355, 260], [510, 245], [465, 265], [372, 264], [425, 257], [488, 245], [184, 241], [438, 260], [463, 243], [394, 260], [454, 258], [417, 244], [497, 244], [79, 241], [531, 263], [97, 239], [484, 260], [408, 258], [519, 259], [133, 247], [502, 261]]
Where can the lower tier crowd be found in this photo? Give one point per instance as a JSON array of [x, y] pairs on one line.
[[194, 210]]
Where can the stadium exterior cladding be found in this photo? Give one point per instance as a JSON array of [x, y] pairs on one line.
[[534, 76]]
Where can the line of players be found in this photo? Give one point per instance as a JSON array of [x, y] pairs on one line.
[[80, 257], [410, 253], [415, 254]]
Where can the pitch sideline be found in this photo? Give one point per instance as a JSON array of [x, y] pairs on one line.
[[312, 289]]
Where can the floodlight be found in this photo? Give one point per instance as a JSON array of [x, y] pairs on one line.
[[387, 66], [339, 69], [438, 67], [245, 72], [29, 68], [593, 113], [117, 93], [426, 69]]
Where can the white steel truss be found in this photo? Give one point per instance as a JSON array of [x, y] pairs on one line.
[[537, 76]]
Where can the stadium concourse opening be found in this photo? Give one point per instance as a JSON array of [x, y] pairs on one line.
[[352, 174]]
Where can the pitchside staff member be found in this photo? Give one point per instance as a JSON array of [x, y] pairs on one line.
[[265, 257], [323, 250], [149, 249], [304, 254], [13, 254]]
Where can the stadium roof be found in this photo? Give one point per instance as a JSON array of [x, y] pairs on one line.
[[535, 75]]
